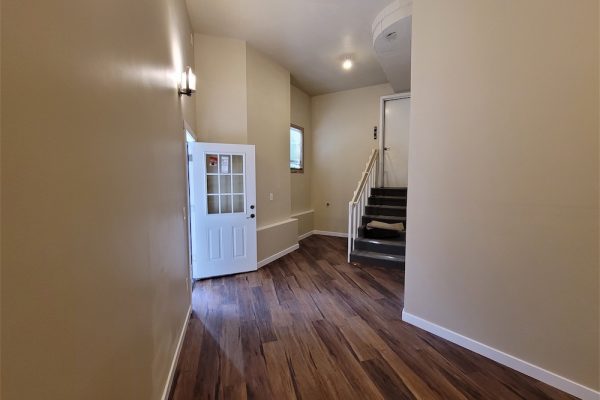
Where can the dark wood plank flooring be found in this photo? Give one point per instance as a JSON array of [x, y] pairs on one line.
[[311, 326]]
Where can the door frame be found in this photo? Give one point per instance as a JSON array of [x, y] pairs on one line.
[[382, 101], [188, 212]]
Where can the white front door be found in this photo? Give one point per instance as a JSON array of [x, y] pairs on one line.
[[223, 199], [396, 123]]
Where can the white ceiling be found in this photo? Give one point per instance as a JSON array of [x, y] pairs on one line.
[[308, 37]]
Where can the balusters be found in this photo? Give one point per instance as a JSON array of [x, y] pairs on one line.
[[356, 207]]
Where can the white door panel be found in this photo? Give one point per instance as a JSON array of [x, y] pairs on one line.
[[224, 212], [396, 130]]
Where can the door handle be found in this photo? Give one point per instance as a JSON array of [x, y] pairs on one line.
[[251, 216]]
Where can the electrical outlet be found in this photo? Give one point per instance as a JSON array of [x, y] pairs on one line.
[[271, 196]]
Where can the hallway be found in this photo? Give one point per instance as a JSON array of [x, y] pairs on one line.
[[311, 326]]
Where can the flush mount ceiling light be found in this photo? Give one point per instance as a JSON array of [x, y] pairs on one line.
[[187, 86], [347, 64]]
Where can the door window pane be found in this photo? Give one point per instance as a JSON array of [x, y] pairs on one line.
[[212, 184], [225, 184], [225, 204], [212, 163], [225, 164], [237, 164], [238, 203], [238, 183], [213, 204]]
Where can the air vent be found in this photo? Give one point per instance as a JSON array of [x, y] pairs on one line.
[[391, 36]]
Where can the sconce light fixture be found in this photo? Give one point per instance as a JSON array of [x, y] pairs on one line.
[[347, 64], [187, 86]]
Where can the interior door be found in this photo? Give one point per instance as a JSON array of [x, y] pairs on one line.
[[223, 198], [396, 121]]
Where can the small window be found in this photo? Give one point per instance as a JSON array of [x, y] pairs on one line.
[[296, 148]]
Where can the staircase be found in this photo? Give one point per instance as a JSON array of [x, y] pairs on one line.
[[375, 246]]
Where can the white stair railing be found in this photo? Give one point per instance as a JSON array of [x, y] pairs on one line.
[[356, 207]]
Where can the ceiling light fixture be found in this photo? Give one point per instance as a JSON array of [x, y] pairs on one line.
[[347, 64]]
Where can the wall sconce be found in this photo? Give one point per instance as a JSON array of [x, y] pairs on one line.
[[187, 86]]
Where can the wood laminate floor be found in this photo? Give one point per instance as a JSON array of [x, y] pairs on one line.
[[311, 326]]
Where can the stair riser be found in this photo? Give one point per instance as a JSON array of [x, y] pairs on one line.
[[387, 202], [388, 192], [376, 262], [362, 233], [390, 220], [380, 248], [374, 210]]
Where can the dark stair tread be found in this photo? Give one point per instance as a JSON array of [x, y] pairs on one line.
[[376, 233], [388, 242], [393, 187], [378, 256], [385, 217], [390, 207], [402, 190], [377, 197]]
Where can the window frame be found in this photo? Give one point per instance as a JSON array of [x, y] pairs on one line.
[[301, 169]]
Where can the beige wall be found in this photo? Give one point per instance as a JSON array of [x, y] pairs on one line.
[[249, 102], [342, 125], [300, 115], [502, 241], [221, 99], [94, 265], [268, 129]]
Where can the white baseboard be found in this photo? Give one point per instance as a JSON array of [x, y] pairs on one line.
[[336, 234], [515, 363], [324, 233], [304, 236], [278, 255], [171, 375]]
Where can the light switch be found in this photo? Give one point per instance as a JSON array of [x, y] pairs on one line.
[[270, 196]]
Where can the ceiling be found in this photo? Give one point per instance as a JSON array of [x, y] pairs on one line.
[[308, 37]]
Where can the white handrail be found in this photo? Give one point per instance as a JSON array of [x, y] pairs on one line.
[[356, 207]]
